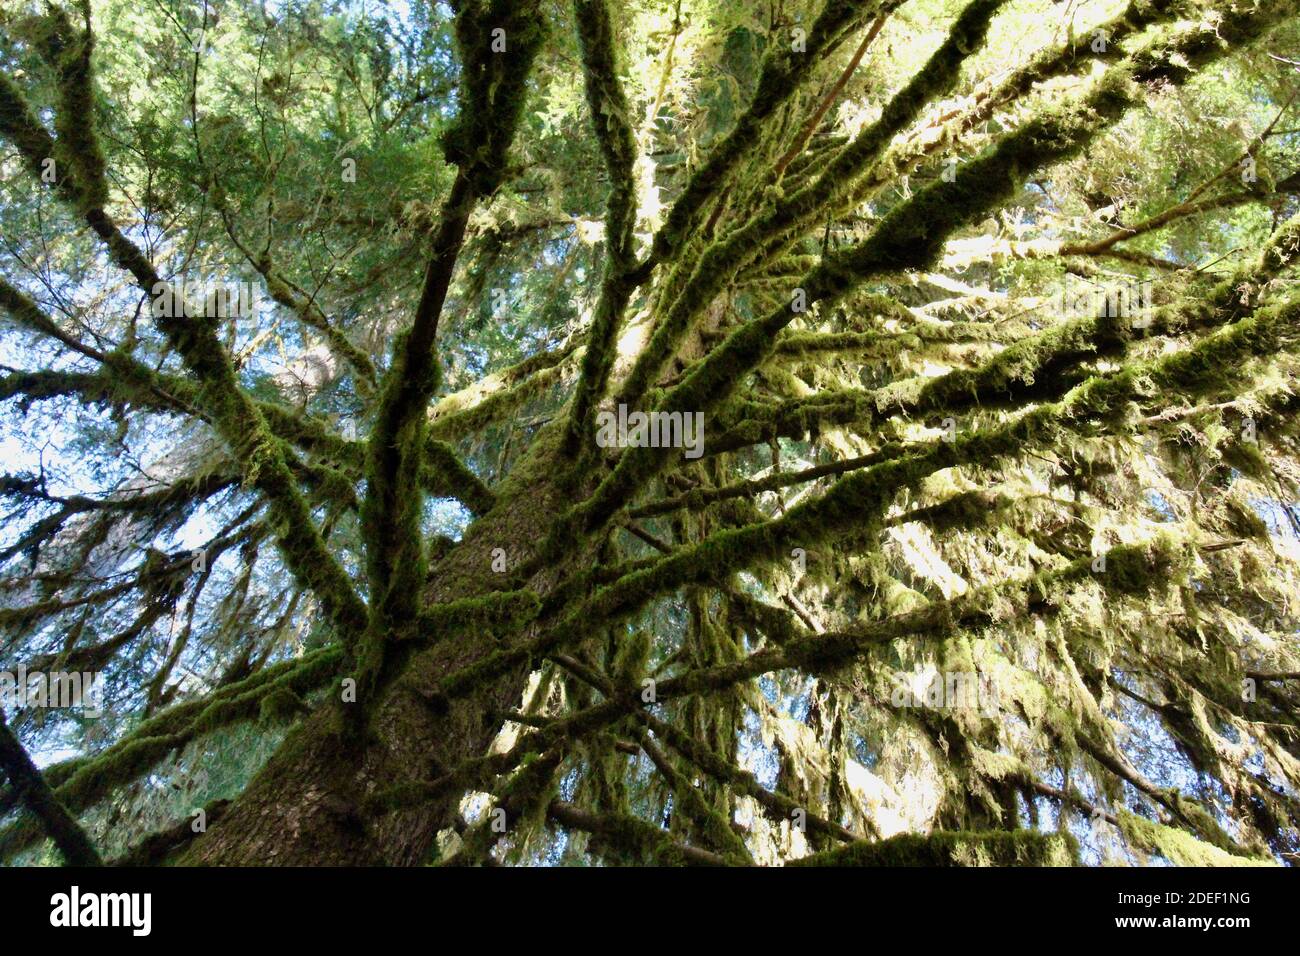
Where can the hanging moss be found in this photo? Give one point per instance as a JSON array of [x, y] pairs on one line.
[[783, 71], [1138, 568], [523, 799], [1005, 512], [630, 658], [997, 848], [721, 260], [632, 836], [1178, 846], [689, 291], [713, 826], [778, 806]]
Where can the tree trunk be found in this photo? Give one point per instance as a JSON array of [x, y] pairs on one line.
[[303, 807]]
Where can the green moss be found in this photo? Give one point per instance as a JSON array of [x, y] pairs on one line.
[[722, 259], [69, 51], [776, 805], [35, 793], [279, 704], [630, 658], [610, 119], [713, 825], [631, 837], [1178, 846], [783, 72], [503, 612], [493, 87], [523, 798], [20, 127], [312, 316], [81, 782], [445, 475], [955, 848]]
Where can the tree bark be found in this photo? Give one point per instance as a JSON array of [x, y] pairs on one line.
[[304, 806]]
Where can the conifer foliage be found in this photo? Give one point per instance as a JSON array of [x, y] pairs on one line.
[[693, 432]]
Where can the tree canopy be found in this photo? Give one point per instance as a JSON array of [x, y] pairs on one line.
[[853, 432]]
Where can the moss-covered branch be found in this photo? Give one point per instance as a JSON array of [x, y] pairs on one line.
[[496, 396], [446, 476], [723, 259], [1038, 367], [1213, 363], [80, 783], [776, 805], [261, 454], [610, 118], [492, 95], [637, 838], [784, 70], [33, 791], [948, 848]]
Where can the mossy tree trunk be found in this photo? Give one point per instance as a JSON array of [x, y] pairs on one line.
[[307, 806]]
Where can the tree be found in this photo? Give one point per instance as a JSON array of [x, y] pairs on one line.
[[854, 431]]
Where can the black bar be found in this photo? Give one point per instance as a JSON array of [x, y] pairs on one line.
[[333, 907]]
